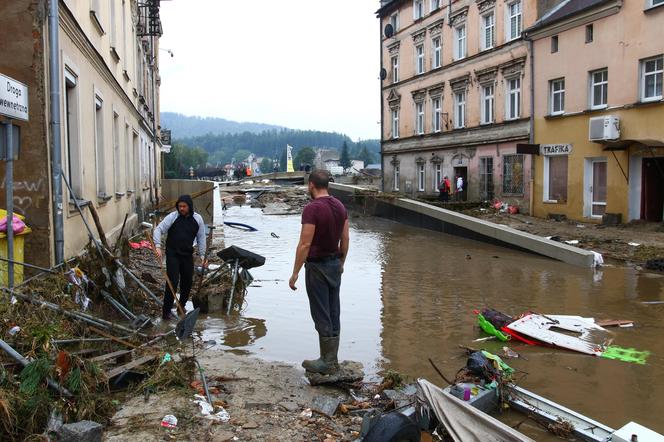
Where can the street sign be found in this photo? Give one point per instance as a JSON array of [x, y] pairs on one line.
[[13, 98], [556, 149]]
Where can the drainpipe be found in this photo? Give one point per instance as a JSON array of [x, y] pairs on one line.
[[56, 147], [531, 135], [382, 107]]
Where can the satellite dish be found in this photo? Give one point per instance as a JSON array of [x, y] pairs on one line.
[[383, 74], [389, 30]]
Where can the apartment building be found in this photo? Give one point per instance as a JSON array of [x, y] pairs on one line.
[[599, 110], [107, 93], [456, 96]]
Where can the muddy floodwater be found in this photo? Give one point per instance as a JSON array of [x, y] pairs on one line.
[[409, 294]]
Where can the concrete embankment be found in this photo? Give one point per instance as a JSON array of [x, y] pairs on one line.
[[426, 216]]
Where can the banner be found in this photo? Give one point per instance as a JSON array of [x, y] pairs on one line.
[[289, 157]]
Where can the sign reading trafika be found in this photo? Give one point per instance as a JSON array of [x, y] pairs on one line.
[[555, 149], [13, 98]]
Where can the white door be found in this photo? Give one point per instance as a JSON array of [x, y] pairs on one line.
[[595, 195]]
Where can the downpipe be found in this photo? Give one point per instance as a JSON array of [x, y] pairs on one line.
[[55, 123]]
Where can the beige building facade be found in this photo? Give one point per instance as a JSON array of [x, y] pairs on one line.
[[456, 96], [108, 72], [599, 110]]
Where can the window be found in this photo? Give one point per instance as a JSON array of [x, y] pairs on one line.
[[557, 98], [599, 86], [419, 59], [420, 177], [435, 4], [395, 123], [459, 109], [394, 21], [653, 3], [487, 104], [116, 156], [486, 178], [418, 9], [651, 78], [397, 176], [437, 113], [437, 59], [554, 44], [419, 118], [513, 20], [99, 147], [112, 31], [437, 176], [459, 42], [555, 178], [589, 33], [127, 157], [488, 31], [513, 104], [72, 141], [136, 158], [124, 38], [395, 69], [513, 174]]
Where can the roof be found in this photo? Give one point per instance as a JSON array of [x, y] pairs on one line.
[[387, 6], [566, 9]]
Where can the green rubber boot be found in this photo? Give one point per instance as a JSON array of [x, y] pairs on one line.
[[327, 363]]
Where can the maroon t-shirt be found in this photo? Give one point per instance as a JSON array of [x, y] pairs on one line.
[[329, 216]]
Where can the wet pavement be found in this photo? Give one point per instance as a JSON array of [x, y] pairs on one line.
[[409, 294]]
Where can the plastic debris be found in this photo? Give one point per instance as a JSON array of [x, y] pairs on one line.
[[169, 421], [572, 242], [167, 358], [209, 412], [490, 329], [598, 260], [79, 283], [145, 244], [12, 331], [626, 354], [307, 413], [509, 353]]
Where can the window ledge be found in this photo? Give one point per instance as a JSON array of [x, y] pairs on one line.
[[97, 23], [554, 116], [125, 74], [81, 203], [553, 202], [651, 8], [114, 54], [103, 198], [119, 194]]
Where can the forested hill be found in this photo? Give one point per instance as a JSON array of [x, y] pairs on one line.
[[183, 126]]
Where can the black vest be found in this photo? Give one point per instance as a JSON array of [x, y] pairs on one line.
[[181, 236]]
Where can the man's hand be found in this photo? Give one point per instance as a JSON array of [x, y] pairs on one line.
[[157, 250], [203, 262], [292, 281]]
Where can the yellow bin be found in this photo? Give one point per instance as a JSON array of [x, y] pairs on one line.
[[19, 247]]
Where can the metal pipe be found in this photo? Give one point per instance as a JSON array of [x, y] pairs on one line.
[[82, 340], [135, 279], [21, 360], [56, 151], [230, 299], [531, 124], [30, 266], [9, 183]]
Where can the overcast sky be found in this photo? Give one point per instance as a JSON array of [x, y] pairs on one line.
[[303, 64]]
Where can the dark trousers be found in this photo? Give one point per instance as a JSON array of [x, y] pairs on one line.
[[444, 196], [323, 280], [180, 270]]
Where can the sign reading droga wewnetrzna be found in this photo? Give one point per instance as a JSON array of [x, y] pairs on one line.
[[13, 98]]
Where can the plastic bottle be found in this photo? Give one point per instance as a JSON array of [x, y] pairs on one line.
[[466, 393]]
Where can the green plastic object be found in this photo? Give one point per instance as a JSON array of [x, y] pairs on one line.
[[503, 366], [626, 354], [490, 329]]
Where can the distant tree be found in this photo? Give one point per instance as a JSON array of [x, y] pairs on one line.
[[241, 155], [266, 165], [304, 156], [283, 162], [365, 156], [181, 158], [345, 157]]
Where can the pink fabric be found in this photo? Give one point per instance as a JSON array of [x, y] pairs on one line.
[[140, 245], [18, 225]]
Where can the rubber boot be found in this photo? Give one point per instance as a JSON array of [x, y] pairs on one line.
[[327, 363]]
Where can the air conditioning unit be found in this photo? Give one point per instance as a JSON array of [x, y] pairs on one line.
[[604, 128]]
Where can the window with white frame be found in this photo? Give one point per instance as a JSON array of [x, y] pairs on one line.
[[420, 177], [394, 21], [488, 34], [437, 113], [418, 9], [651, 78], [436, 56], [395, 69], [419, 118], [557, 96], [397, 176], [395, 123], [459, 109], [460, 42], [555, 178], [513, 25], [419, 59], [72, 130], [100, 154], [435, 4], [117, 169], [437, 176], [128, 179], [487, 104], [513, 99], [599, 87], [653, 3]]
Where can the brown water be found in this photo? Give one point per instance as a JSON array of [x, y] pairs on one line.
[[408, 294]]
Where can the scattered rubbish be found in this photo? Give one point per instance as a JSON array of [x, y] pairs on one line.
[[274, 235], [79, 285], [633, 244], [145, 244], [626, 354], [572, 241], [614, 323], [598, 260], [580, 226], [209, 412], [18, 225], [167, 358], [240, 226], [655, 264], [169, 421], [12, 331], [490, 329], [652, 302], [509, 353], [307, 413], [488, 338]]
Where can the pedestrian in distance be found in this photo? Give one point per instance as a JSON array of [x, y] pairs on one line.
[[322, 249], [182, 227], [459, 188], [444, 189]]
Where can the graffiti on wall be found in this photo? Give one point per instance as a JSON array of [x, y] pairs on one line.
[[28, 194]]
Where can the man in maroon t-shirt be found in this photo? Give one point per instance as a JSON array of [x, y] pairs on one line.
[[323, 246]]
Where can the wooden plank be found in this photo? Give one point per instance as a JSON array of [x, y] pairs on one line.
[[133, 364], [113, 355], [113, 338]]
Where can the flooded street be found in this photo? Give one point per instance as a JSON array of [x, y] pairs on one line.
[[409, 294]]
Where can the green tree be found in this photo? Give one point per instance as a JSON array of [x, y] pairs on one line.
[[345, 157], [304, 156], [241, 155], [365, 156], [283, 162], [266, 165]]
